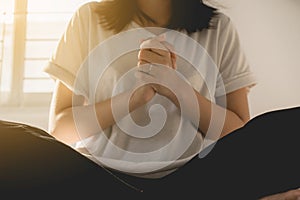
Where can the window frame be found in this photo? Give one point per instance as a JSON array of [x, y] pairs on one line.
[[18, 55], [16, 96]]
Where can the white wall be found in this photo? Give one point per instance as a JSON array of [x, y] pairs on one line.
[[34, 116], [270, 34]]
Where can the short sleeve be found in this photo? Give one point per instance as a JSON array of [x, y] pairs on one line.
[[72, 48], [234, 70]]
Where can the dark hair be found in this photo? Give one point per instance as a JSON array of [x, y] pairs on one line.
[[189, 15]]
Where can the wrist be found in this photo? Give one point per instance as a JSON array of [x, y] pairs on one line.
[[174, 97], [140, 97], [134, 102], [179, 93]]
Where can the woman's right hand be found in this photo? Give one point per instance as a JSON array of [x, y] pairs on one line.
[[141, 96], [142, 93], [149, 53]]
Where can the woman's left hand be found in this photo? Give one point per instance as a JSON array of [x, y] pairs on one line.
[[157, 56], [157, 50], [165, 81], [159, 67]]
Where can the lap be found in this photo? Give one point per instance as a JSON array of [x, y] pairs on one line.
[[256, 160], [245, 162], [32, 161]]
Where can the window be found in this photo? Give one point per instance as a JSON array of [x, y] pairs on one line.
[[29, 32]]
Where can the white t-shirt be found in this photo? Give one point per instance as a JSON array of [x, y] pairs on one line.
[[97, 64]]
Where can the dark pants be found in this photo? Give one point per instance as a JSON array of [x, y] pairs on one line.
[[260, 159]]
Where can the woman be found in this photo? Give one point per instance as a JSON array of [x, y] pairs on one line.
[[92, 27], [90, 107]]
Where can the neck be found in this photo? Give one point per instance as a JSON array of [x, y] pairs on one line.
[[158, 10]]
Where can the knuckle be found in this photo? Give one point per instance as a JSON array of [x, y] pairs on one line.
[[141, 53], [168, 54], [141, 62], [165, 61]]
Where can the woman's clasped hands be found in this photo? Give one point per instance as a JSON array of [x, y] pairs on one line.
[[156, 72]]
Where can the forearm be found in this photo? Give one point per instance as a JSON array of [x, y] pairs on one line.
[[76, 123], [222, 117], [224, 120]]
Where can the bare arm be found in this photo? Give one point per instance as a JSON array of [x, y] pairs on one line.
[[64, 127], [236, 113]]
